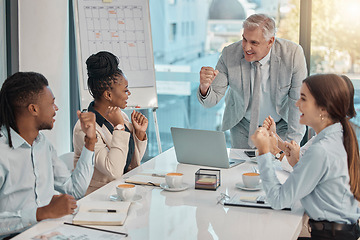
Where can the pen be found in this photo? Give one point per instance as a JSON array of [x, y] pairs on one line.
[[99, 229], [157, 175], [151, 184], [259, 199], [103, 210], [253, 201]]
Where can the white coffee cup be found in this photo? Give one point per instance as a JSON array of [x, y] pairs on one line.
[[125, 192], [174, 180], [251, 179]]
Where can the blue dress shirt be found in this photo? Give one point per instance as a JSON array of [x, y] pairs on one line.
[[30, 174], [320, 180]]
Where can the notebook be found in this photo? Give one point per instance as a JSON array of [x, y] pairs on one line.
[[202, 147], [150, 178], [95, 213]]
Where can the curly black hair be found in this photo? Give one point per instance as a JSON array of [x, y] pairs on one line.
[[102, 71], [18, 91]]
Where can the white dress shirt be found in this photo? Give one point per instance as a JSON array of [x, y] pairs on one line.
[[29, 174], [267, 107]]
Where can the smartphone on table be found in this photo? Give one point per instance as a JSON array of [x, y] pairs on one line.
[[250, 153]]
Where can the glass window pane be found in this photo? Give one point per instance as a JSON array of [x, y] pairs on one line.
[[288, 22], [200, 30], [335, 43]]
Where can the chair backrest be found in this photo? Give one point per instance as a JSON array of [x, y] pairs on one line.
[[68, 159]]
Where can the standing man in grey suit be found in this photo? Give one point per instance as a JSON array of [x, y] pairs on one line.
[[263, 75]]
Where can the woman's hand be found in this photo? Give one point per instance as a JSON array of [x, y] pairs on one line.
[[140, 123], [264, 141], [269, 124], [87, 123], [292, 152], [113, 115]]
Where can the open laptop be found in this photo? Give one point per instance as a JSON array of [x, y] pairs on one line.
[[202, 147]]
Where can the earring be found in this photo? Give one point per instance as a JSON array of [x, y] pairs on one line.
[[322, 117]]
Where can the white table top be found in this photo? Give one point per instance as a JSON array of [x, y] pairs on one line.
[[191, 214]]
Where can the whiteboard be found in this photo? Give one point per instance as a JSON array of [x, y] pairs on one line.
[[121, 27]]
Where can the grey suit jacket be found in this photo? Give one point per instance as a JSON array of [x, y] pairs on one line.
[[287, 70]]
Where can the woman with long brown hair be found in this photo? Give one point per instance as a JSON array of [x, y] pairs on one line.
[[326, 178]]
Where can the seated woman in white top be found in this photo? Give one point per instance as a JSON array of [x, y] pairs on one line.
[[120, 144], [293, 146], [326, 178]]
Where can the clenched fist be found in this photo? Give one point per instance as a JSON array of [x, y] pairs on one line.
[[207, 76]]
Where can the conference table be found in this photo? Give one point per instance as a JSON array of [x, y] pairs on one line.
[[192, 213]]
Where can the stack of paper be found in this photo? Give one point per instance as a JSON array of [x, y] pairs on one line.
[[207, 183], [102, 213]]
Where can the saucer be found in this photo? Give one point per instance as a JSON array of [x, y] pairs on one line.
[[242, 187], [167, 188], [136, 197]]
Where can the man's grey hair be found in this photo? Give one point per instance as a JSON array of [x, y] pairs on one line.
[[264, 22]]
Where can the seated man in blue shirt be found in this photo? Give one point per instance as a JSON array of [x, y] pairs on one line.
[[30, 170]]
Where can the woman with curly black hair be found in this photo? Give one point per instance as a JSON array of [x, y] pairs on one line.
[[120, 144]]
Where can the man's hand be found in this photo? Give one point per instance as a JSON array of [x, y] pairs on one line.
[[87, 121], [140, 123], [292, 152], [113, 115], [207, 76], [60, 205]]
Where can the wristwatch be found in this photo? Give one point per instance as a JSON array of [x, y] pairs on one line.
[[279, 156], [119, 127]]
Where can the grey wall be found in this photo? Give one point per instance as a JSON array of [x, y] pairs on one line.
[[2, 42], [44, 48]]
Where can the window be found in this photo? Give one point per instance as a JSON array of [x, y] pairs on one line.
[[335, 37], [172, 32], [183, 29], [178, 65], [335, 44]]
